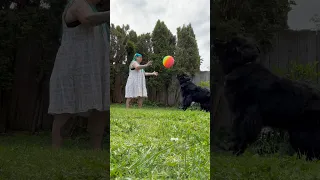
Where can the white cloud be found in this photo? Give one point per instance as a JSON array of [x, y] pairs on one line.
[[142, 15]]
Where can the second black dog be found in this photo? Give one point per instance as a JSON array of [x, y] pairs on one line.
[[193, 93], [258, 98]]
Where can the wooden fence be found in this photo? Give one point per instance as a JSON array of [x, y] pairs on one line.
[[293, 46]]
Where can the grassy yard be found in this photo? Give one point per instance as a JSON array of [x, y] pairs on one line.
[[24, 157], [251, 167], [159, 143]]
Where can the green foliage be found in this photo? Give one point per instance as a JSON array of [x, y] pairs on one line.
[[21, 25], [163, 44], [257, 18], [143, 148], [187, 52], [120, 44], [300, 72], [204, 84]]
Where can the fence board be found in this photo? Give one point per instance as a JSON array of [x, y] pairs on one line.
[[293, 46]]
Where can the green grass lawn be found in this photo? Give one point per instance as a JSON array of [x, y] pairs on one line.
[[159, 143], [24, 157], [273, 167]]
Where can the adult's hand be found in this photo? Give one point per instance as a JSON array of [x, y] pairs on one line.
[[155, 73], [149, 63]]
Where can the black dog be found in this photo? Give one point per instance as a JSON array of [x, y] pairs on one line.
[[306, 142], [193, 93], [258, 98]]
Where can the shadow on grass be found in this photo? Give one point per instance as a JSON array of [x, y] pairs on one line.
[[24, 156]]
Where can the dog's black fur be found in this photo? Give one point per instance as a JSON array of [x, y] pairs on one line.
[[258, 98], [193, 93]]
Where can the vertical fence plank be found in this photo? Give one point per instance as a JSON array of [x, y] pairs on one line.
[[293, 46]]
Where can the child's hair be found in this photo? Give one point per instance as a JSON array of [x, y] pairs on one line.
[[135, 56]]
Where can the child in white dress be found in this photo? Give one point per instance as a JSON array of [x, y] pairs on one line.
[[136, 83]]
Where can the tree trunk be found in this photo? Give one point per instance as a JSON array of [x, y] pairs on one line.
[[117, 93], [4, 109], [25, 88]]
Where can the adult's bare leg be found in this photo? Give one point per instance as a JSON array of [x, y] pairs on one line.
[[59, 121], [128, 103], [96, 124], [140, 102]]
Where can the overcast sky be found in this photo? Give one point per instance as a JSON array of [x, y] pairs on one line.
[[142, 16], [299, 16]]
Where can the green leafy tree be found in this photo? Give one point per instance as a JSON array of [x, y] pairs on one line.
[[163, 44], [29, 40], [187, 52], [144, 46], [131, 47], [119, 47]]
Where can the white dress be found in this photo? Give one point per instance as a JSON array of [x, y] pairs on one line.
[[136, 83], [80, 80]]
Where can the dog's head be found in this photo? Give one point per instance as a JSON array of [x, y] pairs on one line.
[[235, 53], [183, 77]]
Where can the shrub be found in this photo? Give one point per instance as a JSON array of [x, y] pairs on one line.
[[204, 84]]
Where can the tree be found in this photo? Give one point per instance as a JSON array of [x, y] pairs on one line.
[[316, 20], [187, 53], [163, 44], [131, 47], [144, 46], [120, 43], [29, 39]]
